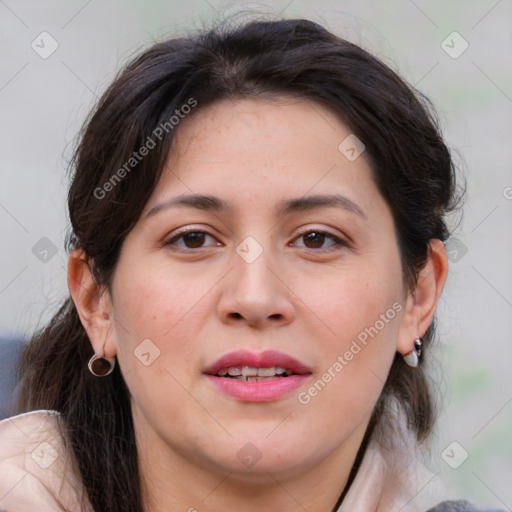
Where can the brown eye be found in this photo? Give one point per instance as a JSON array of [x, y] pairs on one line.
[[193, 240], [190, 240], [315, 239]]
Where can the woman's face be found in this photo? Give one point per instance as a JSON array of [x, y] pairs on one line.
[[291, 259]]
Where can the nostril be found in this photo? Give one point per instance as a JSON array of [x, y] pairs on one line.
[[236, 315]]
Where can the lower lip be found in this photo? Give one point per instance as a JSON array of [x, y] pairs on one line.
[[266, 390]]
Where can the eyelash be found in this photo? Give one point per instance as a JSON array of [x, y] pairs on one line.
[[338, 243]]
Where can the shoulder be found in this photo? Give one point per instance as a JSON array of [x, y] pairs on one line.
[[20, 435], [460, 506], [36, 468], [11, 427]]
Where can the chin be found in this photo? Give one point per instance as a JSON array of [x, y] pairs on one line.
[[260, 470], [253, 457]]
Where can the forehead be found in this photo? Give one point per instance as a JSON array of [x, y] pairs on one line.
[[263, 150], [272, 124]]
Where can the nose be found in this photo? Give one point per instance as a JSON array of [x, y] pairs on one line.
[[256, 294]]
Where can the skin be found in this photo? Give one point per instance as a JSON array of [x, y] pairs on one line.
[[307, 298]]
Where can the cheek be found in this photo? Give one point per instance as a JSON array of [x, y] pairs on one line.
[[160, 312], [156, 328], [361, 308], [159, 301], [351, 301], [354, 366]]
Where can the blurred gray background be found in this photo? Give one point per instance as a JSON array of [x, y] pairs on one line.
[[57, 57]]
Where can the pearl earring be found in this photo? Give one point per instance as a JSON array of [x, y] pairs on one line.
[[412, 357]]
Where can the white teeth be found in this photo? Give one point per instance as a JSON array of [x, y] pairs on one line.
[[250, 371], [267, 372], [252, 378]]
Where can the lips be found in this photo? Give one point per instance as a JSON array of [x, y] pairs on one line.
[[246, 361], [265, 377]]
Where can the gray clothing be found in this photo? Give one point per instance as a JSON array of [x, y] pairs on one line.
[[460, 506]]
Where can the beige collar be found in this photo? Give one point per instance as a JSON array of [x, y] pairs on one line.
[[392, 476]]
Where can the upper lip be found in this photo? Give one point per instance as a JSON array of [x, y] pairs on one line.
[[266, 359]]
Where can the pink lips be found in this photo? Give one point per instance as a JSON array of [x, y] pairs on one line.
[[265, 359], [258, 391]]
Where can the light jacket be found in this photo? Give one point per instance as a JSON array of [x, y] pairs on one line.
[[39, 473]]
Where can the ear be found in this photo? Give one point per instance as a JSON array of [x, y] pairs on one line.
[[93, 304], [422, 301]]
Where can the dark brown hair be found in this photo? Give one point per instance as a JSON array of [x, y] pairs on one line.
[[411, 165]]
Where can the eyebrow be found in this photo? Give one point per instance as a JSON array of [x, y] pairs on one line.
[[301, 204]]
